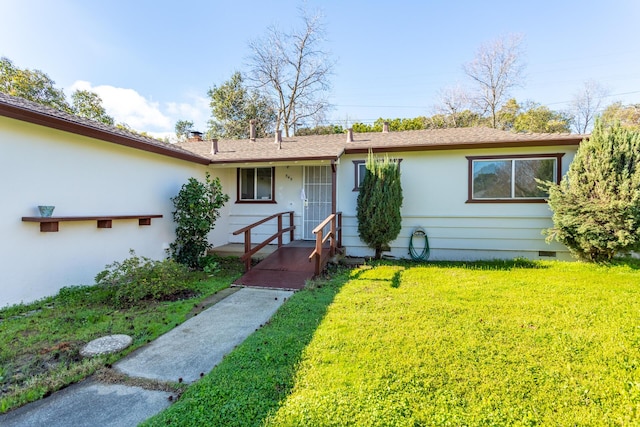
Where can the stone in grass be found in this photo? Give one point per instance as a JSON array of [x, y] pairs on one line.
[[106, 345]]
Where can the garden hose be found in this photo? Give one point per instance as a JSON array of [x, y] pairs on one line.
[[424, 254]]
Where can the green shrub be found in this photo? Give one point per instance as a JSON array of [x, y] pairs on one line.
[[139, 278], [209, 264], [596, 207], [197, 208]]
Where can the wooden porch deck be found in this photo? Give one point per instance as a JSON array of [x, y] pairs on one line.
[[286, 268]]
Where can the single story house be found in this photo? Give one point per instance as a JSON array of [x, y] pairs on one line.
[[471, 189]]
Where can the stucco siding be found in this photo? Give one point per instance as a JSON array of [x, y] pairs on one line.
[[81, 176]]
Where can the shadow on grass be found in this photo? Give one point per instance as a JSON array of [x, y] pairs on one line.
[[252, 381], [628, 261], [497, 264]]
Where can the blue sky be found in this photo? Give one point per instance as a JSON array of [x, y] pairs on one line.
[[153, 61]]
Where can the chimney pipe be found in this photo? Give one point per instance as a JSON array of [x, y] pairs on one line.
[[385, 127], [278, 139], [252, 130], [194, 136], [350, 135], [214, 146]]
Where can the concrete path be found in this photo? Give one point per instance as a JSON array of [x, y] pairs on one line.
[[196, 346]]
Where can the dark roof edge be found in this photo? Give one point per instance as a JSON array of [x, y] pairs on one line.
[[465, 145], [38, 118], [273, 160]]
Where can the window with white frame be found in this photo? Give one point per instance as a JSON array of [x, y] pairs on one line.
[[360, 167], [511, 178], [256, 184]]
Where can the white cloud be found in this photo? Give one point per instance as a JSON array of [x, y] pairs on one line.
[[198, 111], [128, 106]]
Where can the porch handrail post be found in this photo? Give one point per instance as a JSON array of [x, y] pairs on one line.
[[291, 225], [247, 249], [280, 230], [339, 214], [319, 238], [332, 243]]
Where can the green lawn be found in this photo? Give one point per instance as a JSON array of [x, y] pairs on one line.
[[520, 343]]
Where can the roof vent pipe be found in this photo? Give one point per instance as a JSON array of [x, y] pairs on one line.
[[385, 127], [214, 146], [279, 138], [350, 135], [252, 130]]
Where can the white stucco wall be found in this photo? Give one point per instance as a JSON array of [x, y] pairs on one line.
[[80, 176], [435, 189]]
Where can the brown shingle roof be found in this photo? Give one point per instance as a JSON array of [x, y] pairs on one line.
[[330, 147], [28, 111]]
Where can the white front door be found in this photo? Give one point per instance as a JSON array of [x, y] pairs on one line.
[[317, 205]]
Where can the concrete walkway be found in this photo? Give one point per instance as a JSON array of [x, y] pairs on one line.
[[194, 347]]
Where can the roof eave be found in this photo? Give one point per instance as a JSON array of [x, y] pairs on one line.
[[462, 145], [273, 160], [37, 118]]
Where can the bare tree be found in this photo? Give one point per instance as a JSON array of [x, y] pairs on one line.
[[586, 104], [496, 69], [294, 69], [452, 101]]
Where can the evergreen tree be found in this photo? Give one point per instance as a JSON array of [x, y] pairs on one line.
[[596, 206], [379, 202]]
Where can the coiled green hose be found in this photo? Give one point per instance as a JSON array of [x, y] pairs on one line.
[[424, 254]]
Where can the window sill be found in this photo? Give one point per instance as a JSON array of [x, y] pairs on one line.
[[254, 202], [507, 201]]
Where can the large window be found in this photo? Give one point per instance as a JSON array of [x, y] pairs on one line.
[[256, 185], [511, 178]]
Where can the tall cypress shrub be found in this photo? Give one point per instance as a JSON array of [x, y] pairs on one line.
[[596, 206], [379, 202]]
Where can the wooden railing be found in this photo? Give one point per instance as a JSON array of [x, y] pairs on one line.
[[334, 236], [249, 251]]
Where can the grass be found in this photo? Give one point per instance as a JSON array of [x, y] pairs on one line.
[[41, 341], [504, 343]]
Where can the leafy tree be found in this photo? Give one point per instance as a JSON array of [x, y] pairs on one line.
[[37, 86], [397, 125], [496, 69], [363, 128], [197, 208], [627, 115], [294, 69], [183, 127], [33, 85], [538, 118], [507, 114], [596, 206], [379, 202], [233, 105], [320, 130], [88, 104]]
